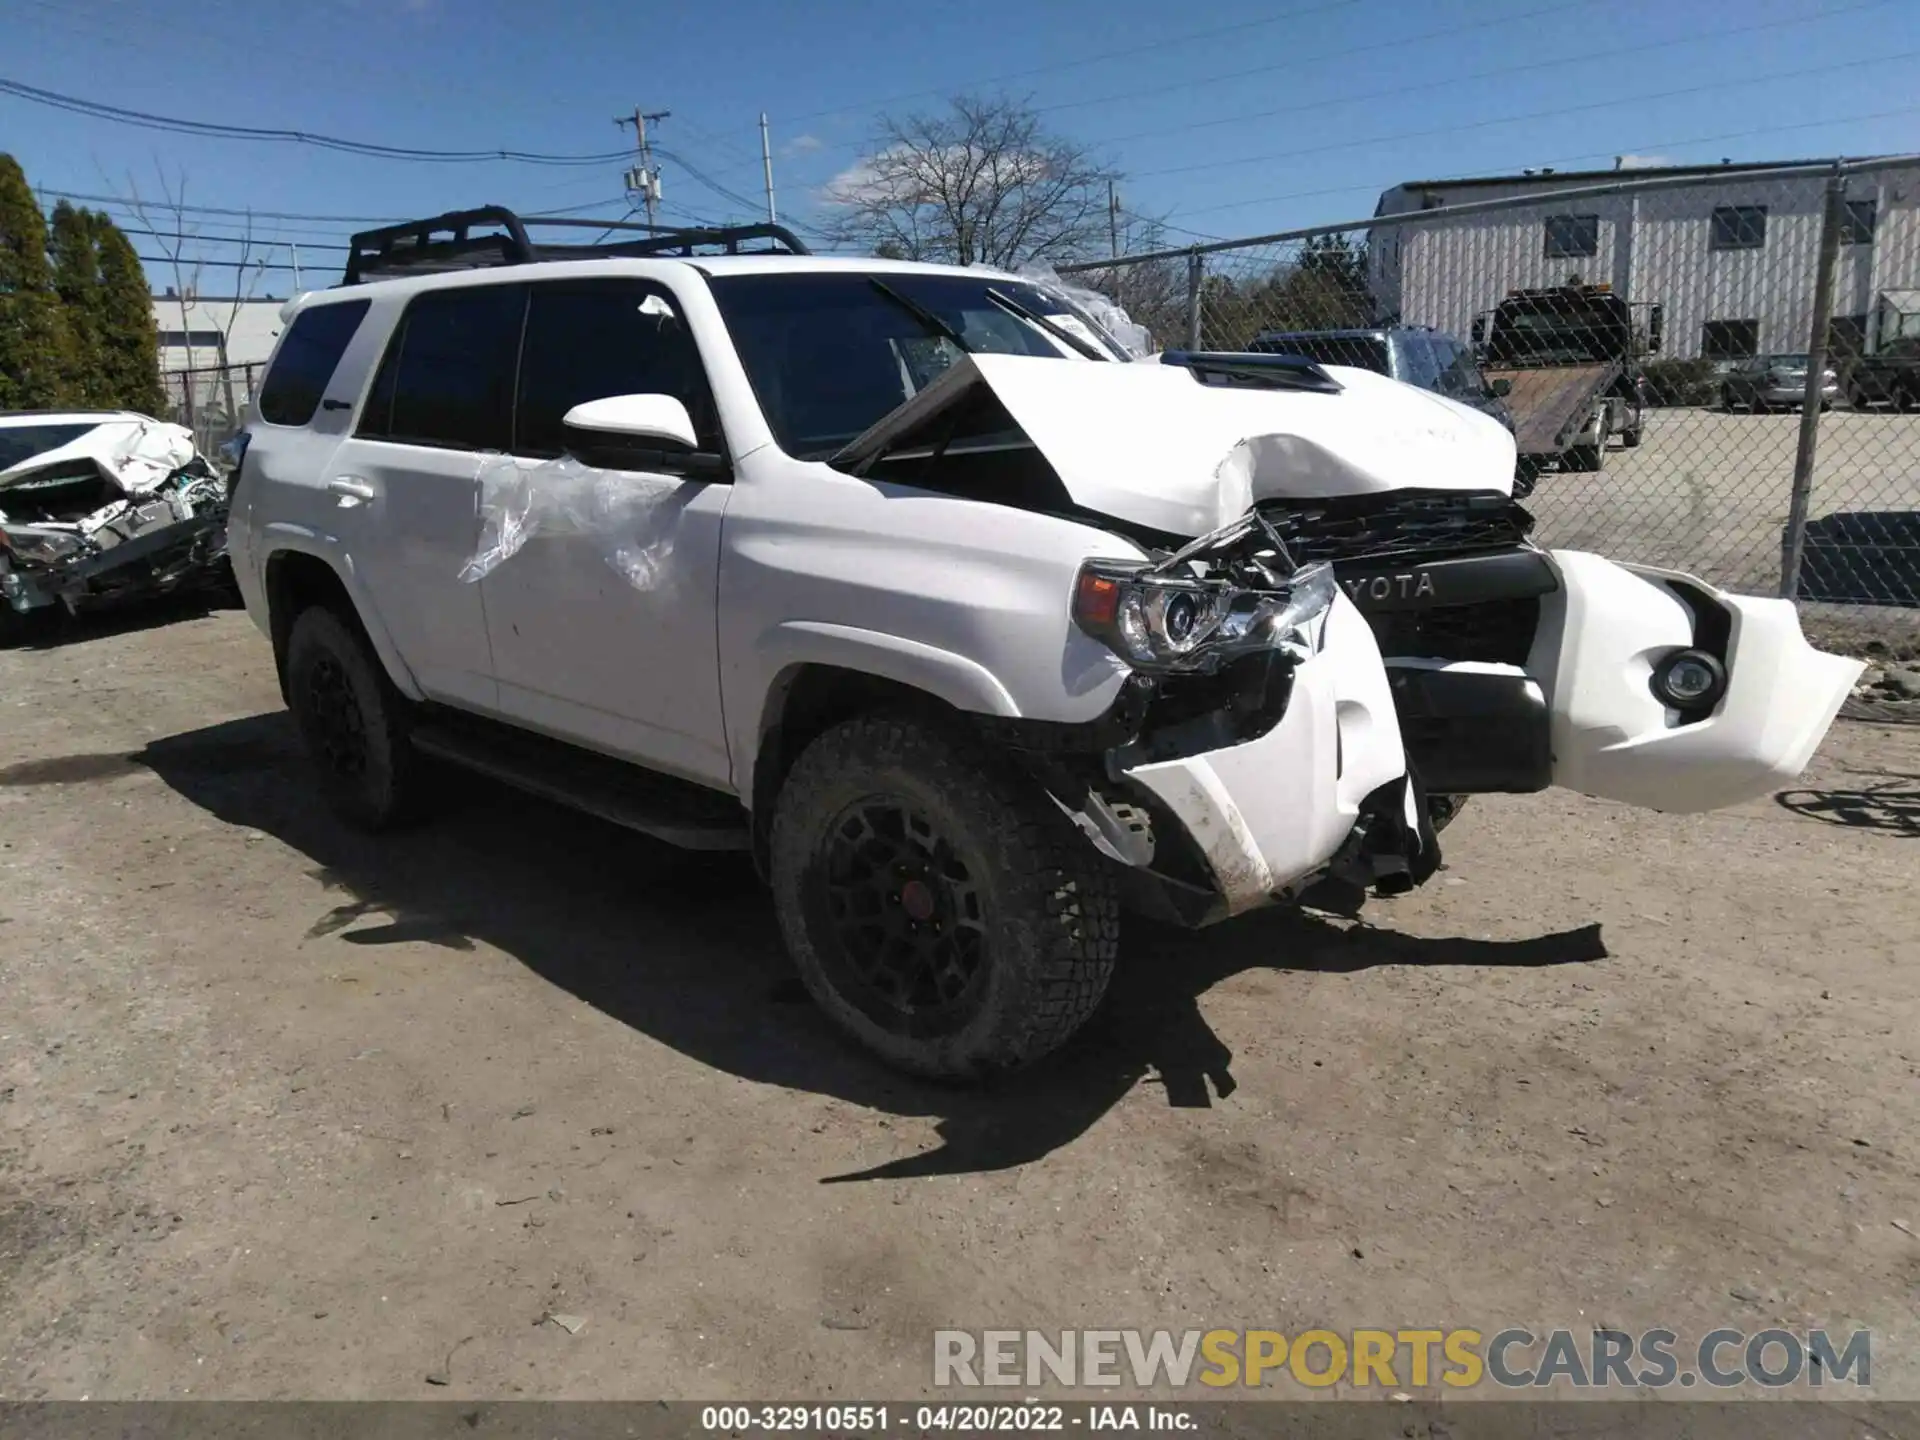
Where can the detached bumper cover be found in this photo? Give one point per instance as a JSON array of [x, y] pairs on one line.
[[1271, 814], [1600, 636]]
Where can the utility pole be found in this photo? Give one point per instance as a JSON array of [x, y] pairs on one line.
[[766, 163], [296, 268], [644, 178], [1113, 222]]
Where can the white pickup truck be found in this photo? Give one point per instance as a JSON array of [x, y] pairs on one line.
[[970, 626]]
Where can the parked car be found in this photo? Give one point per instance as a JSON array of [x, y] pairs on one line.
[[101, 506], [1414, 354], [1890, 377], [1765, 382], [967, 631]]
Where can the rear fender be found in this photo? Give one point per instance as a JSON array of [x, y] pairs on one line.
[[280, 538]]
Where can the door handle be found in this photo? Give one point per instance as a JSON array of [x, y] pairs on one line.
[[351, 489]]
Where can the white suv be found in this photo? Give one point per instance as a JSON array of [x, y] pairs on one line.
[[969, 625]]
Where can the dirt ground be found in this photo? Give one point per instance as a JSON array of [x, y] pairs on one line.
[[288, 1112]]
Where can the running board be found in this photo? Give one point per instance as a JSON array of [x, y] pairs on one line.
[[675, 811]]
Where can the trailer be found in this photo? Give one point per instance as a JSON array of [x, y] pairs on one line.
[[1571, 356]]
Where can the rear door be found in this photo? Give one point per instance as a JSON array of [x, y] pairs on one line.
[[441, 401], [603, 623]]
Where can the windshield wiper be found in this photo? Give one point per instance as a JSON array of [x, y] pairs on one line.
[[1059, 332], [935, 325]]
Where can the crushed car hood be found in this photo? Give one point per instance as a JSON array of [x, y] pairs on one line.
[[137, 455], [1151, 445]]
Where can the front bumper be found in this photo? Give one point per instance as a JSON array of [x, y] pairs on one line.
[[1272, 814], [154, 562], [1361, 735]]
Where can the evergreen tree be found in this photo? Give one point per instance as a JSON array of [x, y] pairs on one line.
[[34, 366], [129, 341], [75, 262]]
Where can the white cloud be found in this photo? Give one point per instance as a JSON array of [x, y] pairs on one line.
[[1644, 162], [802, 145]]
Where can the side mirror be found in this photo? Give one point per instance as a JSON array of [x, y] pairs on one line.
[[1502, 386], [635, 432], [1655, 316]]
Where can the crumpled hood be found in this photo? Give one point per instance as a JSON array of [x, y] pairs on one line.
[[1151, 445], [136, 455]]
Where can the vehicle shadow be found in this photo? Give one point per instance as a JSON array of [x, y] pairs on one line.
[[1861, 557], [56, 630], [1891, 806], [685, 949]]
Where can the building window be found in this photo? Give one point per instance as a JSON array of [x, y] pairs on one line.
[[1572, 236], [1848, 335], [1738, 227], [1729, 339], [1856, 225], [198, 339]]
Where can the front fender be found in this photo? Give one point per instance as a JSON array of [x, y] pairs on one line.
[[284, 538]]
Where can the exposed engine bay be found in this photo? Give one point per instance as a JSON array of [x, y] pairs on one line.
[[120, 506]]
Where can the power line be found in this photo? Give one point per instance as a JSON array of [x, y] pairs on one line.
[[1554, 113], [1152, 47], [227, 239], [1396, 42], [146, 121], [1642, 146], [1448, 81]]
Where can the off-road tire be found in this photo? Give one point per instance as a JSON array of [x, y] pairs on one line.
[[1046, 911], [334, 681]]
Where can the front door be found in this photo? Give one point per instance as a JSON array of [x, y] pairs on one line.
[[602, 623]]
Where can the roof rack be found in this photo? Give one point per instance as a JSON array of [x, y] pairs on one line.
[[449, 242]]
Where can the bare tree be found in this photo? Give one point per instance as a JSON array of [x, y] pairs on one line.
[[981, 183], [173, 238]]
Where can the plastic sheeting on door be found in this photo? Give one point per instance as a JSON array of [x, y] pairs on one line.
[[631, 516]]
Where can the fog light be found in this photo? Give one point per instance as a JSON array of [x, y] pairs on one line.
[[1689, 680]]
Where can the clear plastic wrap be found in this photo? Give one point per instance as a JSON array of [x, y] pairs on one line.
[[1135, 340], [629, 516]]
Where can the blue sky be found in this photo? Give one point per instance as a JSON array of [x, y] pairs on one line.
[[1230, 118]]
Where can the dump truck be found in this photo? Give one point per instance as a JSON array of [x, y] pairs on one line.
[[1571, 356]]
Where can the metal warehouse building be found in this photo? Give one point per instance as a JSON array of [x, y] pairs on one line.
[[1728, 251]]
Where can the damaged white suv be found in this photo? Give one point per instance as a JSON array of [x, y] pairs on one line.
[[967, 623]]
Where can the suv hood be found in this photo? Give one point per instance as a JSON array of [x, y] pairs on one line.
[[137, 456], [1151, 445]]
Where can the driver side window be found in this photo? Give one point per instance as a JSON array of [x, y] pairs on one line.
[[589, 339]]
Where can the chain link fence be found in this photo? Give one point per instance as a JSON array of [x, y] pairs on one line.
[[211, 401], [1715, 372]]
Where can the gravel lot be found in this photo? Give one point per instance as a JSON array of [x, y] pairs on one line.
[[288, 1112], [1708, 492]]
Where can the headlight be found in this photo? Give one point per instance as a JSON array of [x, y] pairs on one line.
[[43, 547], [1159, 622]]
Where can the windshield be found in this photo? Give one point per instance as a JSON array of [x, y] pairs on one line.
[[1788, 362], [23, 442], [829, 354], [1362, 352]]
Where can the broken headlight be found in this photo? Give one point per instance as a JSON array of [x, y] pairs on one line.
[[42, 547], [1159, 621]]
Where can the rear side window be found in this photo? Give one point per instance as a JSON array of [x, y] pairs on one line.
[[447, 377], [590, 339], [308, 355], [1362, 352]]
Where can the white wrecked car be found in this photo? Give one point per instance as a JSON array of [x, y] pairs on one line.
[[968, 625], [102, 505]]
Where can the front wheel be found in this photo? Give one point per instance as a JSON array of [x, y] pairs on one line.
[[938, 907], [351, 720]]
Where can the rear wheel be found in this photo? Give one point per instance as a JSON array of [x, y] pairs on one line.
[[1630, 438], [351, 720], [939, 908], [1584, 459]]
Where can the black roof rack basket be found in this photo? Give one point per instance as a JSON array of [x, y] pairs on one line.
[[449, 242]]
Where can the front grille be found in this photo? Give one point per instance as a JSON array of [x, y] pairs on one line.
[[1495, 632], [1426, 523]]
